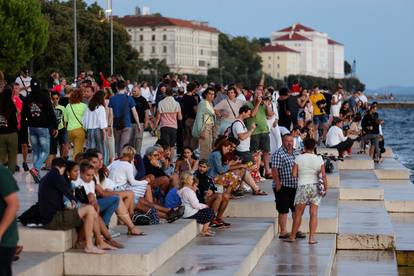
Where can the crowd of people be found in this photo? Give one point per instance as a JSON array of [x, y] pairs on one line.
[[215, 143]]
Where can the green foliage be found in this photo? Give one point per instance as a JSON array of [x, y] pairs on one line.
[[349, 84], [347, 68], [24, 33], [93, 42]]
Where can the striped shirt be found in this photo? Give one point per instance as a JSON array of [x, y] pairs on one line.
[[283, 162]]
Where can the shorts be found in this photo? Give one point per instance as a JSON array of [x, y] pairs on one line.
[[23, 135], [169, 135], [308, 194], [260, 142], [61, 139], [285, 200], [320, 119], [245, 156], [65, 220]]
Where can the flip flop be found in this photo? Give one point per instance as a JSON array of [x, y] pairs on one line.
[[285, 236]]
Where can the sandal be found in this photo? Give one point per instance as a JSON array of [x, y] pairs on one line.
[[259, 193], [285, 236], [300, 235]]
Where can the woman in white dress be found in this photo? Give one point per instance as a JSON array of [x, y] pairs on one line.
[[272, 123]]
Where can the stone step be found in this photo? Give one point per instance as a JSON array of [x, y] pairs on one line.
[[364, 262], [298, 258], [264, 207], [360, 185], [42, 240], [404, 239], [38, 264], [356, 162], [232, 251], [364, 225], [388, 153], [398, 195], [141, 256], [391, 169], [334, 179]]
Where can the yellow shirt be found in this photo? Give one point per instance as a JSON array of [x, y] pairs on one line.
[[314, 98]]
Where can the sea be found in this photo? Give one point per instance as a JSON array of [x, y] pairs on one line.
[[398, 131]]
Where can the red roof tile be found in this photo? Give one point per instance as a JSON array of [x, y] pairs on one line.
[[277, 48], [295, 36], [333, 42], [156, 21], [296, 28]]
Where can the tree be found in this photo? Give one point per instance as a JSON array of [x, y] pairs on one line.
[[24, 33], [347, 68]]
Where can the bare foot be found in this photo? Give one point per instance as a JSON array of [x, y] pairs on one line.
[[135, 231], [94, 250], [105, 246], [207, 234], [114, 243]]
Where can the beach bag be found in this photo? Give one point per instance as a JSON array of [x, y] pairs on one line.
[[141, 219]]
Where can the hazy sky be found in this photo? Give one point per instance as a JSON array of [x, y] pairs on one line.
[[378, 34]]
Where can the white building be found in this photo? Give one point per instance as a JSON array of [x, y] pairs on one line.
[[187, 46], [320, 56], [280, 61]]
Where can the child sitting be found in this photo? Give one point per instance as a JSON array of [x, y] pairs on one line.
[[208, 193], [193, 208]]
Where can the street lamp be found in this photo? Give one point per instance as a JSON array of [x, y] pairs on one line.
[[75, 41], [108, 11]]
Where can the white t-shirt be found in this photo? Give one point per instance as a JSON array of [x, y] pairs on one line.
[[122, 172], [241, 97], [335, 108], [146, 93], [89, 186], [335, 136], [363, 98], [240, 127], [24, 82], [309, 167], [95, 119]]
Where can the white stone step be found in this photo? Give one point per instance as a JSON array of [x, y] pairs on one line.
[[404, 240], [356, 162], [142, 255], [42, 240], [360, 185], [334, 179], [264, 207], [298, 258], [364, 225], [364, 262], [38, 264], [232, 251], [398, 195], [391, 169], [388, 153]]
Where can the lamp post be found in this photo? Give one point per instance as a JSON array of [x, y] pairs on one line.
[[75, 41], [111, 22]]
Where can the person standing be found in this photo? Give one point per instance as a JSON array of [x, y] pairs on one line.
[[76, 131], [243, 134], [190, 102], [143, 108], [260, 139], [320, 119], [204, 123], [307, 168], [285, 184], [41, 119], [22, 133], [23, 80], [228, 109], [9, 205], [121, 106]]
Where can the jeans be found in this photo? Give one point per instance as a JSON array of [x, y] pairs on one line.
[[121, 139], [40, 139], [107, 206], [96, 139]]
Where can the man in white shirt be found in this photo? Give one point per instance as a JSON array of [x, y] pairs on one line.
[[336, 139], [241, 133], [24, 82]]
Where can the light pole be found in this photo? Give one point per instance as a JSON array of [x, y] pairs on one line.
[[111, 22], [75, 41]]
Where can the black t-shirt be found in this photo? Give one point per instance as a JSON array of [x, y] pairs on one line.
[[292, 104], [141, 105], [328, 98], [64, 101], [8, 123], [205, 183], [188, 103]]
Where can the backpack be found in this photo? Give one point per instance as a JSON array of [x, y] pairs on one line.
[[229, 131], [31, 215]]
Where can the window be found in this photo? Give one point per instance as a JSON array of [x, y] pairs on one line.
[[269, 66], [214, 53], [278, 66], [201, 52], [164, 49], [153, 29], [141, 29], [278, 75], [153, 49], [141, 37], [269, 58], [129, 30], [164, 37], [141, 49], [201, 63], [153, 38], [278, 57]]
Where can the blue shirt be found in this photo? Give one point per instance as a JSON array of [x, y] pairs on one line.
[[172, 200], [118, 105], [215, 164]]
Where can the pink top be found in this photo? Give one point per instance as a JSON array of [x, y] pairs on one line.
[[19, 105]]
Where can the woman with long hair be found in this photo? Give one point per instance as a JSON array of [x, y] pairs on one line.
[[95, 122], [76, 131], [8, 129]]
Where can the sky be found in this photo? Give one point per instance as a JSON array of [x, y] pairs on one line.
[[378, 34]]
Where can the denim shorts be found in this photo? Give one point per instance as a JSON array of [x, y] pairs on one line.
[[320, 119]]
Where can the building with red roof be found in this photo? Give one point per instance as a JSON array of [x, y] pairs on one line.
[[280, 61]]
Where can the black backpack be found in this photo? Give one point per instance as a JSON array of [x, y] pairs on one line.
[[229, 131], [31, 215]]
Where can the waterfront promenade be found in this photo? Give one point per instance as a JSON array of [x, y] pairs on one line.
[[365, 228]]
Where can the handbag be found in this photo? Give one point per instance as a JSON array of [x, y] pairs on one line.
[[77, 119], [119, 122], [80, 195], [321, 187]]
